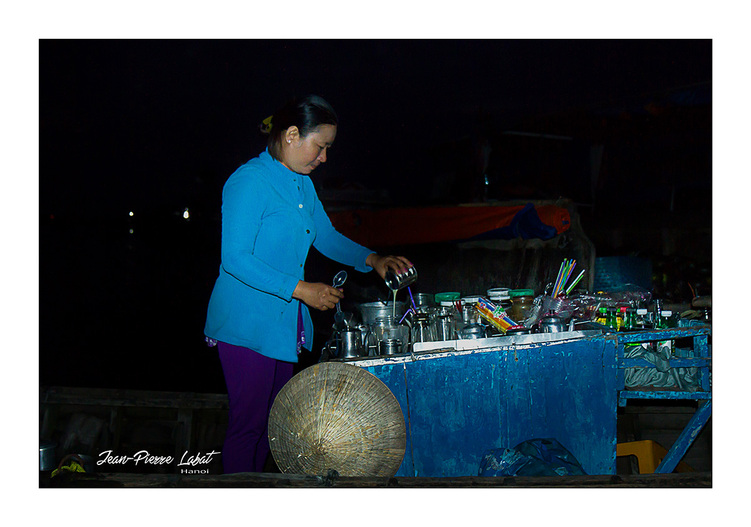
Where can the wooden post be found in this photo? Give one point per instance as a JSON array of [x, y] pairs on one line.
[[184, 431]]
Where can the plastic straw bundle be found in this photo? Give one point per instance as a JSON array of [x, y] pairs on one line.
[[564, 273], [496, 315]]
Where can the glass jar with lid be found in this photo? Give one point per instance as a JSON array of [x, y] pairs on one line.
[[447, 321], [522, 301], [641, 321], [470, 315]]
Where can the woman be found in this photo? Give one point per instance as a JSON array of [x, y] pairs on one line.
[[258, 311]]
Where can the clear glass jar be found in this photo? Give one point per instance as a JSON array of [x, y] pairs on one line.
[[385, 330], [642, 319], [520, 307], [422, 328], [447, 321], [470, 315]]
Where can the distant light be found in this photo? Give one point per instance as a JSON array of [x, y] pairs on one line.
[[130, 213], [186, 214], [131, 231]]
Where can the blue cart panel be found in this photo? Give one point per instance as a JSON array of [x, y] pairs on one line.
[[459, 404]]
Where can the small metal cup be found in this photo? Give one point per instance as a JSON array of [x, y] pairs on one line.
[[398, 281], [351, 344]]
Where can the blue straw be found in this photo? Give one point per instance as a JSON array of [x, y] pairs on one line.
[[409, 290], [410, 310]]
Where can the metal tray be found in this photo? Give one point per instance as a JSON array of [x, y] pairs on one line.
[[510, 340]]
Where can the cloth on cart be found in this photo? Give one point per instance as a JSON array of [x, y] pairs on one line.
[[663, 375], [534, 457]]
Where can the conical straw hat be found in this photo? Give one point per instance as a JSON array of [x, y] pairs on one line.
[[337, 416]]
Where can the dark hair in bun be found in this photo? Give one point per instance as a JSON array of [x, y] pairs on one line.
[[307, 114]]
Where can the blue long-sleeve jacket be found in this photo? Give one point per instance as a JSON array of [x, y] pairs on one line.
[[270, 218]]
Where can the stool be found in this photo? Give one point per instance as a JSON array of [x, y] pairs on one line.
[[649, 455]]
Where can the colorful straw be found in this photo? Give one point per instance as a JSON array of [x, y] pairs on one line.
[[571, 287], [410, 310], [558, 278], [568, 274], [564, 273], [496, 315]]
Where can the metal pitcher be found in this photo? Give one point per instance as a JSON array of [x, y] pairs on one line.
[[350, 344]]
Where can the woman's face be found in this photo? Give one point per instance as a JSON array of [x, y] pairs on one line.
[[304, 154]]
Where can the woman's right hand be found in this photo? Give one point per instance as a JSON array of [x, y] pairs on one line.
[[317, 295]]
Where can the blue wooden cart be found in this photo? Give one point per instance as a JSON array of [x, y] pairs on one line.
[[462, 398], [691, 351]]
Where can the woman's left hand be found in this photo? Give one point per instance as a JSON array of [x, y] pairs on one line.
[[381, 264]]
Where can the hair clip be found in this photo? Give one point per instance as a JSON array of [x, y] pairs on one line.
[[266, 126]]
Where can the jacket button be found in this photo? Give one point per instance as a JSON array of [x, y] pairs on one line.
[[307, 231]]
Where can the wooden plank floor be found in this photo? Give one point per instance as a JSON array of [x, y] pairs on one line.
[[133, 420], [264, 480]]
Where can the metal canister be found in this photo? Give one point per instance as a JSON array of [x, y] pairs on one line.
[[389, 347], [424, 300], [398, 281], [473, 331]]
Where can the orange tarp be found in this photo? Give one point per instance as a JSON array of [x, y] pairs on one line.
[[408, 226]]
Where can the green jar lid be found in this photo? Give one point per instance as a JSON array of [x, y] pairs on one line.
[[447, 297], [521, 292]]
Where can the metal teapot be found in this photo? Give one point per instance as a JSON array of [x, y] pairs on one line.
[[551, 323]]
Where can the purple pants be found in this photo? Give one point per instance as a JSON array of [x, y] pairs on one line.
[[253, 381]]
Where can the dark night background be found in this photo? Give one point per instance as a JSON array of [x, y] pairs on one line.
[[156, 127]]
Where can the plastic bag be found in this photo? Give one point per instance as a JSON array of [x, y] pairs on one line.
[[535, 457], [586, 305]]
